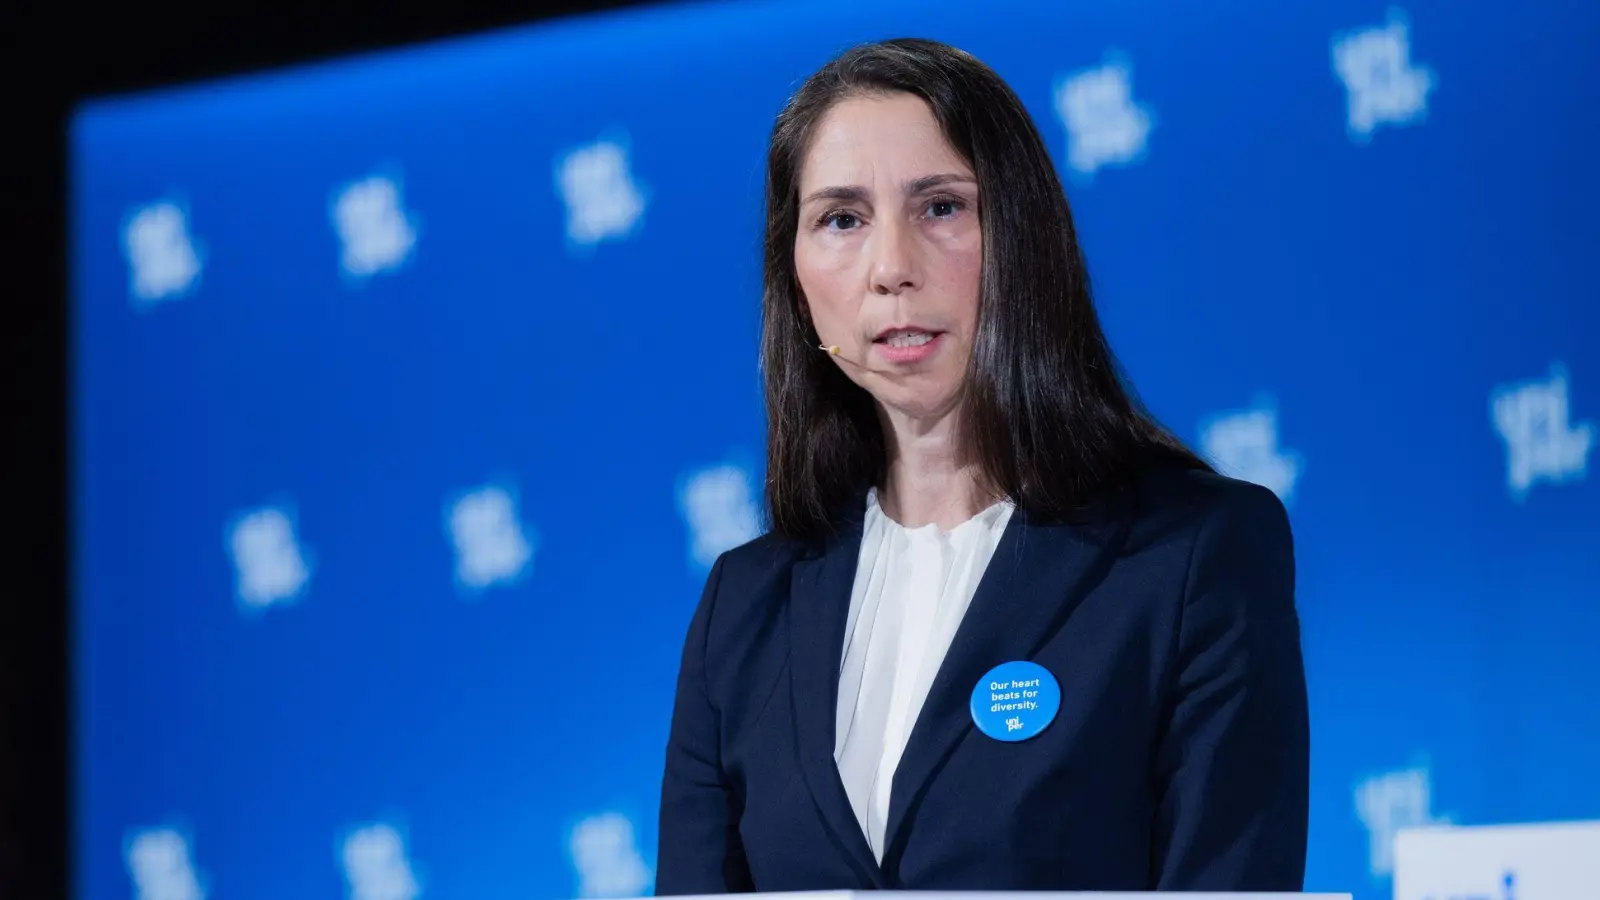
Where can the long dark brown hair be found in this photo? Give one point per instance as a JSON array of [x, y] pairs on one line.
[[1045, 412]]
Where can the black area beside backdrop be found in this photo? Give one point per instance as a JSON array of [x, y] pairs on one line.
[[54, 53]]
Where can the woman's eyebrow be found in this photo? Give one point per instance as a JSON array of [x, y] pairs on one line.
[[855, 193], [928, 182], [844, 193]]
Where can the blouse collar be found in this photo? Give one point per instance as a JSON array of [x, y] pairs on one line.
[[989, 518]]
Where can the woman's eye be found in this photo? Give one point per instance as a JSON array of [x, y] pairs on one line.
[[841, 220], [945, 207]]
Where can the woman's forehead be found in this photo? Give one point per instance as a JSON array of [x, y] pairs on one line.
[[861, 140]]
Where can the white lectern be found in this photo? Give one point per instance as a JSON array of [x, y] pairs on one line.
[[1012, 895], [1008, 895], [1536, 861]]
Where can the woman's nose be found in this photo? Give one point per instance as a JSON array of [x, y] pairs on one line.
[[893, 259]]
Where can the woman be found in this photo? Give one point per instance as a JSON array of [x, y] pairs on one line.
[[1005, 632]]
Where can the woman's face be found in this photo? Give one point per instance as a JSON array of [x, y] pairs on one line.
[[889, 251]]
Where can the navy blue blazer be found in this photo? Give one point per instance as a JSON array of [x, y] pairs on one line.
[[1178, 761]]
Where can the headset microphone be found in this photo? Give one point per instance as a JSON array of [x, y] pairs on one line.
[[833, 350]]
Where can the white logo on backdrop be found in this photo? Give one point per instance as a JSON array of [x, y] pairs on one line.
[[1388, 802], [163, 262], [376, 233], [1542, 444], [1244, 444], [375, 865], [605, 855], [491, 545], [1383, 86], [161, 868], [603, 200], [267, 558], [1104, 125], [719, 506]]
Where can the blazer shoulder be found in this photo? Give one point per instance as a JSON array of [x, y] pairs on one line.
[[1198, 495], [1197, 503], [758, 558], [745, 584]]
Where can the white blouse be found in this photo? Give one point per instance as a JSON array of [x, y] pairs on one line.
[[912, 587]]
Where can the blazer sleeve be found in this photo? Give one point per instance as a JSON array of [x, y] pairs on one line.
[[1233, 762], [698, 848]]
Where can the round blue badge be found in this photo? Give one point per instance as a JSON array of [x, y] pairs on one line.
[[1015, 701]]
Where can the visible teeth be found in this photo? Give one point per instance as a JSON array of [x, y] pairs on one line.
[[914, 339]]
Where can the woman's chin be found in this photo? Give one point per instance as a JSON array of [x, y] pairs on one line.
[[910, 402]]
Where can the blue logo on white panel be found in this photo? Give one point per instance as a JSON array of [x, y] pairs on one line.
[[1504, 889], [270, 566], [1104, 125], [720, 506], [603, 199], [376, 866], [1244, 444], [1015, 701], [1534, 419], [161, 866], [493, 547], [606, 859], [1382, 84], [376, 233], [164, 262]]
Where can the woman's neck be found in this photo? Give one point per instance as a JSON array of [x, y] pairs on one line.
[[930, 478]]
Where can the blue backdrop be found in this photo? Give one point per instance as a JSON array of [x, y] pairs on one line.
[[378, 362]]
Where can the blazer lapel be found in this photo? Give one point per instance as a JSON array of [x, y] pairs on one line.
[[1037, 576], [819, 604]]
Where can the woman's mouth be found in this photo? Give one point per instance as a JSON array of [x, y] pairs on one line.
[[907, 345]]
